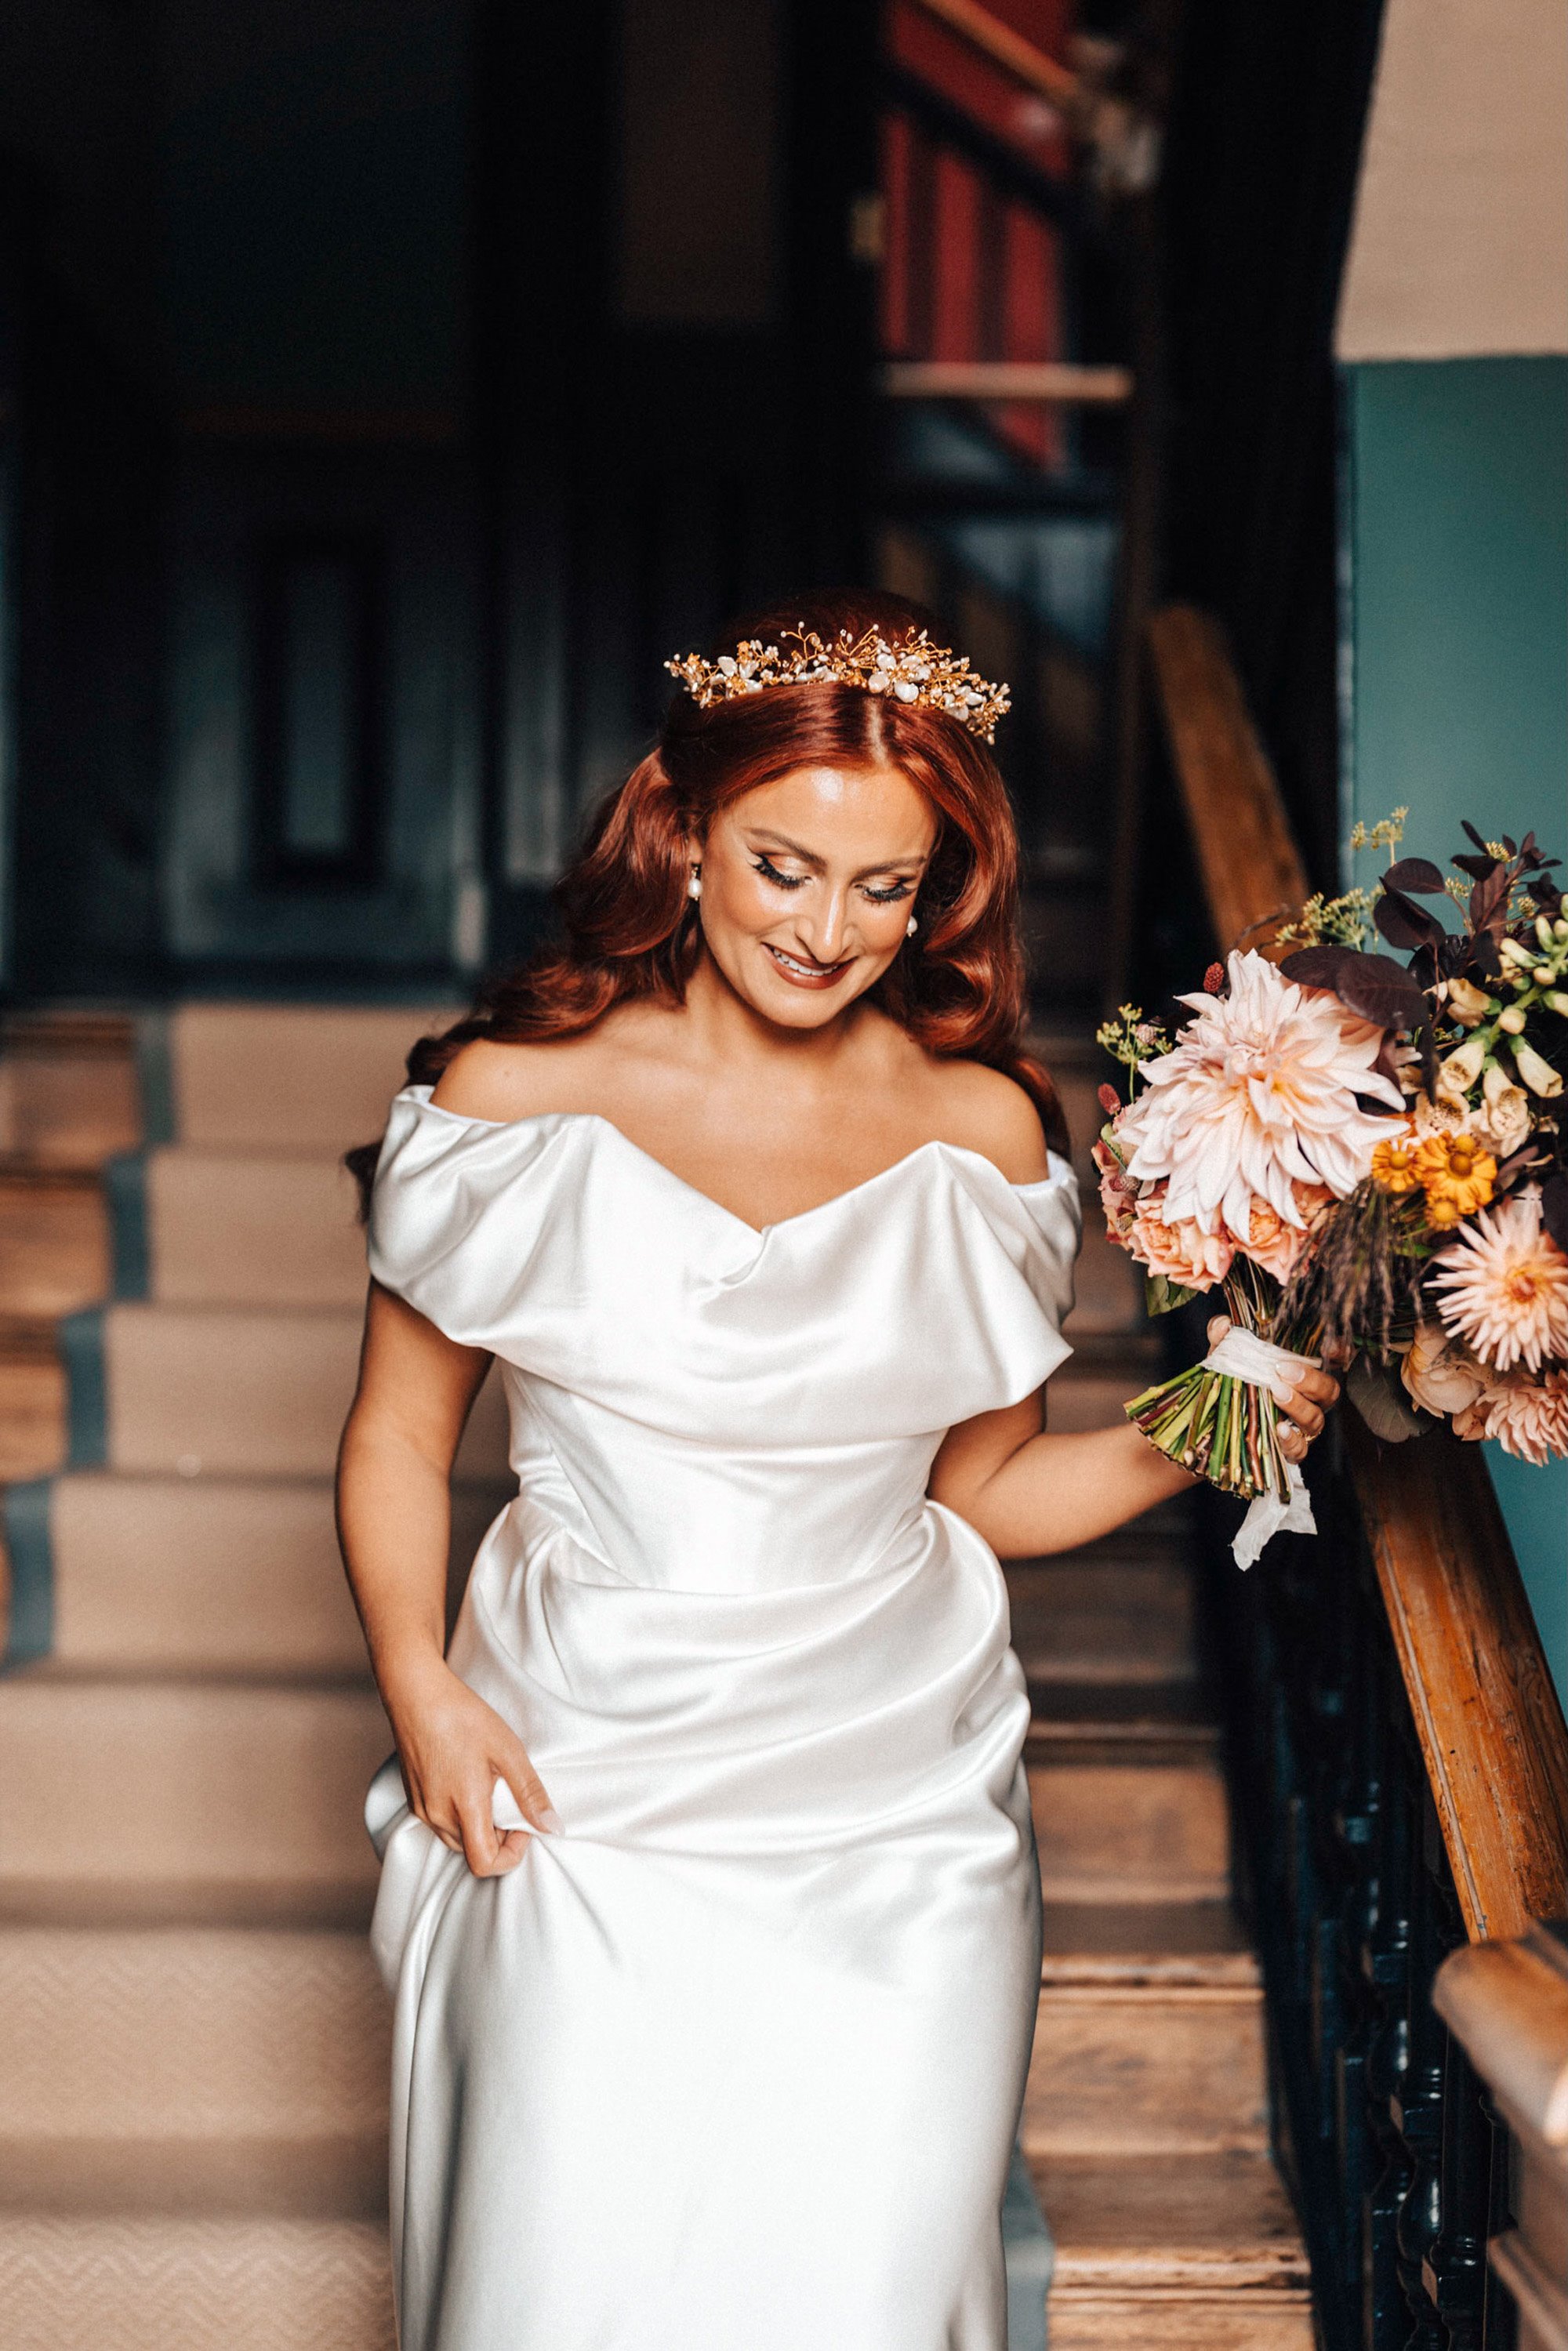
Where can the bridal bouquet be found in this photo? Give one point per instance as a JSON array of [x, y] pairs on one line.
[[1364, 1154]]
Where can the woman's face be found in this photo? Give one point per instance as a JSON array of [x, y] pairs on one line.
[[808, 885]]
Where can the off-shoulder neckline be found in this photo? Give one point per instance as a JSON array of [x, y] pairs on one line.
[[420, 1097]]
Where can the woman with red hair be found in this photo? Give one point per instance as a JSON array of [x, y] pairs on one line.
[[709, 1890]]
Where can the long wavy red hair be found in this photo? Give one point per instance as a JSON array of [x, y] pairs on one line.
[[630, 930]]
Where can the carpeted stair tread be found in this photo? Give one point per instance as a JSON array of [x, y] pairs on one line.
[[175, 2282], [291, 1078], [242, 1391], [219, 1573], [230, 1228], [171, 1780], [183, 2034]]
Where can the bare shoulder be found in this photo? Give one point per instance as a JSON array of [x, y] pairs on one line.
[[490, 1080], [986, 1111]]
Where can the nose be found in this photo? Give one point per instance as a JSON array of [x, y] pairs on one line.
[[824, 928]]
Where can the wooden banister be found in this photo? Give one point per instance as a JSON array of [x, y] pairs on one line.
[[1480, 1690], [1508, 2004], [1486, 1710], [1247, 859]]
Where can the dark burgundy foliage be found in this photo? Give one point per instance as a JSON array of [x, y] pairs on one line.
[[1418, 873], [1316, 967], [1488, 908], [1373, 985], [1403, 923]]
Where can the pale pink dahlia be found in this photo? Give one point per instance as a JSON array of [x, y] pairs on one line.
[[1505, 1286], [1529, 1418], [1258, 1094]]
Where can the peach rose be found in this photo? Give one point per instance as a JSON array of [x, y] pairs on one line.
[[1277, 1246], [1440, 1373], [1182, 1252]]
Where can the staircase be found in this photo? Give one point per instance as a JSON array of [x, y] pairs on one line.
[[193, 2044], [1146, 2118]]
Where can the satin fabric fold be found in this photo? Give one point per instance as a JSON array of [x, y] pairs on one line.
[[733, 2062]]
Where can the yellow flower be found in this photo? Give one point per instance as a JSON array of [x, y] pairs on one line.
[[1393, 1166], [1457, 1172]]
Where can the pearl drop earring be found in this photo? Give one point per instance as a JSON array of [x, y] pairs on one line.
[[695, 886], [911, 928]]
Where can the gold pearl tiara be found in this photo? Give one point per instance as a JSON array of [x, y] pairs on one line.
[[912, 671]]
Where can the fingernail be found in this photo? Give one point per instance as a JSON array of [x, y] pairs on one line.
[[550, 1821]]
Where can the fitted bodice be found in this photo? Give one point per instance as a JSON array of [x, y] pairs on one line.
[[698, 1405]]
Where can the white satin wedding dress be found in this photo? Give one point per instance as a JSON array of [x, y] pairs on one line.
[[734, 2062]]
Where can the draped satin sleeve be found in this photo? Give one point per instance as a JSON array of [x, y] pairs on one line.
[[464, 1214], [560, 1245]]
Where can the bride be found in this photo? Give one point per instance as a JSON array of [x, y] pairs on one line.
[[709, 1889]]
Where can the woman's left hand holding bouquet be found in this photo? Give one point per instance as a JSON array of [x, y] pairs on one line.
[[1030, 1491], [1306, 1404]]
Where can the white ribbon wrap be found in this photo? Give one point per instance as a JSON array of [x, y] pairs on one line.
[[1245, 1356]]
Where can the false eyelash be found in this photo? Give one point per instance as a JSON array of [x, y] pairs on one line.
[[769, 872]]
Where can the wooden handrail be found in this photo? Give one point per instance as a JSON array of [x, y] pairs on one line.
[[1480, 1690], [1510, 2006], [999, 42], [1481, 1693], [1247, 859]]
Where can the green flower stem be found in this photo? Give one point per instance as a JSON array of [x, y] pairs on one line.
[[1224, 1429]]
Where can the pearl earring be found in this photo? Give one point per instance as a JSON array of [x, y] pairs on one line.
[[695, 886], [911, 928]]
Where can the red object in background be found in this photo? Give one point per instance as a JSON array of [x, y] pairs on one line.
[[991, 96], [956, 263], [967, 274], [1032, 327]]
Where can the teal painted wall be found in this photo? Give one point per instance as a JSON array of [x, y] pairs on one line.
[[1457, 522]]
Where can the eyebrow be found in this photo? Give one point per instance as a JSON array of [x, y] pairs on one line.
[[763, 833]]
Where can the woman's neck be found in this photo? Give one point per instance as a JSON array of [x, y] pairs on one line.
[[722, 1027]]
